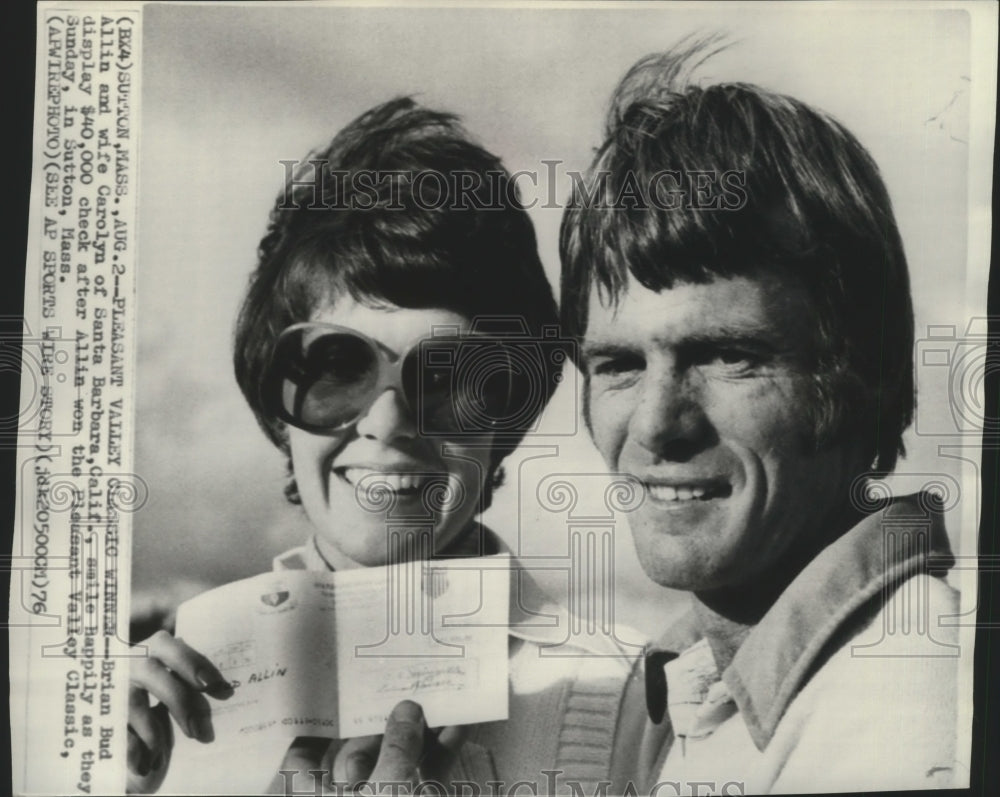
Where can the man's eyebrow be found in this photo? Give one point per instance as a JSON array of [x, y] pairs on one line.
[[741, 338], [752, 336], [755, 337], [607, 349]]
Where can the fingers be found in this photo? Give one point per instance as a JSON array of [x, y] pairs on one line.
[[441, 745], [355, 760], [407, 750], [176, 675], [150, 740], [140, 756], [450, 737], [188, 707], [402, 745], [306, 754], [188, 664], [150, 735]]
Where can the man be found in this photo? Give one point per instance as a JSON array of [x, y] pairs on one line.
[[735, 276], [733, 270]]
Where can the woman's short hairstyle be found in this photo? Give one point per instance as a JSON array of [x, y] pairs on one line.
[[758, 183], [402, 207]]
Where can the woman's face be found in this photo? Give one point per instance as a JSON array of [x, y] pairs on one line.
[[381, 479]]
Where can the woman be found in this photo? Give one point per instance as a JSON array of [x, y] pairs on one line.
[[396, 337]]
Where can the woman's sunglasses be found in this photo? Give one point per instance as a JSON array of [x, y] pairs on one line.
[[323, 378]]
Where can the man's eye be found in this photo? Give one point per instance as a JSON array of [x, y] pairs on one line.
[[616, 367], [732, 356], [732, 360]]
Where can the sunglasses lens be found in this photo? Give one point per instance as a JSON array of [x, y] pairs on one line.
[[428, 391], [322, 380], [327, 379], [459, 386]]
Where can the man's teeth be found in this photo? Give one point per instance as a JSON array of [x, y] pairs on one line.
[[397, 482], [664, 493]]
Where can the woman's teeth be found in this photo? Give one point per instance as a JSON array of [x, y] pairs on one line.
[[397, 482]]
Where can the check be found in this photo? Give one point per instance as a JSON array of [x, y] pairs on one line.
[[330, 654]]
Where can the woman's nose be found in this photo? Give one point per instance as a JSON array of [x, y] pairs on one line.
[[388, 418]]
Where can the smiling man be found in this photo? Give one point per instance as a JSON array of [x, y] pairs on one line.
[[750, 362]]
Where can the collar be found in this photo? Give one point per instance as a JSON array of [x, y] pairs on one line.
[[681, 635], [480, 542], [697, 700], [304, 557], [785, 648]]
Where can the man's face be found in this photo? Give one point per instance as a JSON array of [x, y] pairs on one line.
[[702, 391]]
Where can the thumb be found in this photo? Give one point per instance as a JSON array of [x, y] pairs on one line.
[[402, 745]]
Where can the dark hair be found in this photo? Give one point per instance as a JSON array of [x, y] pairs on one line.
[[789, 191], [401, 207]]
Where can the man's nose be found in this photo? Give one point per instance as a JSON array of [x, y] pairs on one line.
[[669, 418], [388, 419]]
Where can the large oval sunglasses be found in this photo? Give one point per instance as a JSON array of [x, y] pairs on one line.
[[323, 378]]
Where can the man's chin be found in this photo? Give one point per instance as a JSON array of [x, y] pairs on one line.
[[676, 560], [672, 577]]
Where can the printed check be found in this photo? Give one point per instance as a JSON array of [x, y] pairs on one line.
[[330, 654]]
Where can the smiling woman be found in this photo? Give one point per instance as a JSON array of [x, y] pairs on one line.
[[382, 449], [375, 347], [392, 268]]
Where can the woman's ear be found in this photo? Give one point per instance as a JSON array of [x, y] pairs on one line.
[[493, 481], [291, 487]]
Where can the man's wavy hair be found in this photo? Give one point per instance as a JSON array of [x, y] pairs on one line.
[[814, 210], [373, 230]]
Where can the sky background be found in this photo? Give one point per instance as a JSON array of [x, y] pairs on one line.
[[229, 91]]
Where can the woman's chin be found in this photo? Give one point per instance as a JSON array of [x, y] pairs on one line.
[[377, 547]]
